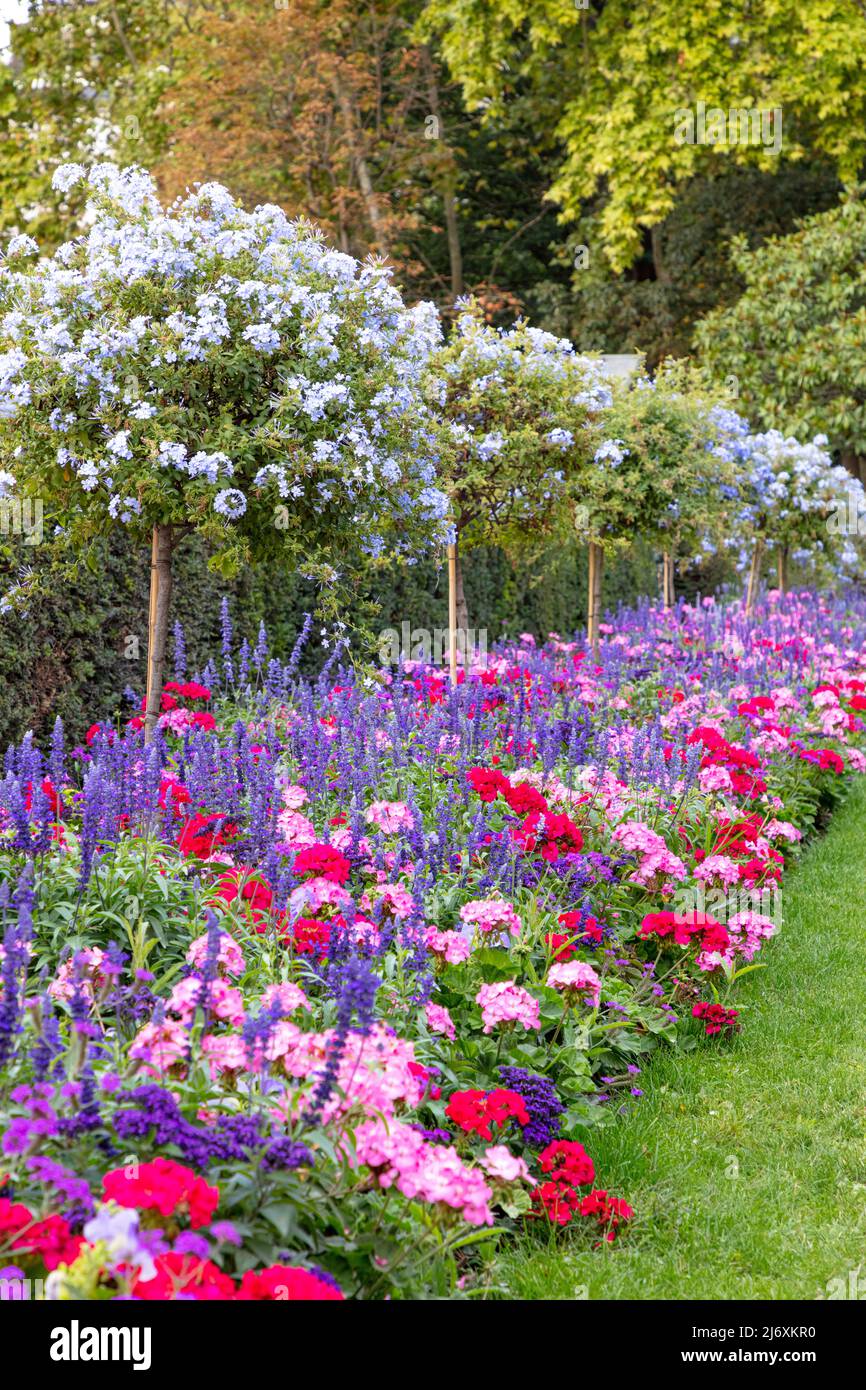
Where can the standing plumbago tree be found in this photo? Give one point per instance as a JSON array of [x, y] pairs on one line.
[[657, 471], [796, 503], [207, 369], [515, 404]]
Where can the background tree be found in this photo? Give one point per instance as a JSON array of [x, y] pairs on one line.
[[796, 338], [613, 75]]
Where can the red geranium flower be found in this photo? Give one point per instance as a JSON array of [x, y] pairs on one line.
[[311, 937], [715, 1018], [476, 1111], [524, 797], [610, 1211], [323, 861], [202, 835], [567, 1162], [254, 892], [52, 1240], [487, 782], [163, 1186], [184, 1276], [280, 1283]]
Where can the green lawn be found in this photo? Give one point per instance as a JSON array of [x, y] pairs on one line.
[[746, 1162]]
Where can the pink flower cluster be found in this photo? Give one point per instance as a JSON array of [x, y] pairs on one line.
[[439, 1020], [658, 863], [83, 970], [574, 976], [491, 915], [230, 959], [507, 1002], [389, 816], [400, 1157], [218, 999], [449, 946]]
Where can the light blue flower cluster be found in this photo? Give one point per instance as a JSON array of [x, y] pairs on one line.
[[612, 451], [199, 344]]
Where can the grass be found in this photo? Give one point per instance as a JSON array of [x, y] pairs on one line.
[[746, 1161]]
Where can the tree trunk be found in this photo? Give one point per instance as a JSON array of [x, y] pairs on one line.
[[661, 271], [157, 627], [446, 183], [596, 576], [359, 164], [668, 580], [755, 574], [782, 568], [855, 463], [462, 606]]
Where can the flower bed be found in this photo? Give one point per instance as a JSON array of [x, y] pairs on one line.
[[323, 992]]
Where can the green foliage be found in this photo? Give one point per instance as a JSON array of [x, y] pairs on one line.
[[614, 77], [655, 471], [795, 339], [653, 306]]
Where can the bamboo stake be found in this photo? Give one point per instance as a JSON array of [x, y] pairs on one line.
[[596, 573], [452, 612], [590, 597], [151, 624], [599, 580], [157, 623]]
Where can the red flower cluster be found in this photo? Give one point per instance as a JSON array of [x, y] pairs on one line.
[[740, 763], [189, 690], [476, 1111], [186, 1276], [488, 782], [609, 1211], [524, 798], [311, 937], [550, 836], [50, 1239], [283, 1283], [173, 794], [569, 1166], [757, 707], [567, 1162], [825, 758], [323, 861], [202, 836], [542, 831], [165, 1187], [563, 945], [686, 927], [715, 1018], [50, 791], [254, 893]]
